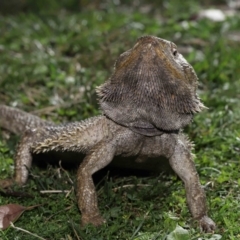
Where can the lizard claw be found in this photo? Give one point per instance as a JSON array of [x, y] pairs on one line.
[[207, 225]]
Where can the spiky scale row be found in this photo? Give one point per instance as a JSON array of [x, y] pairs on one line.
[[78, 136]]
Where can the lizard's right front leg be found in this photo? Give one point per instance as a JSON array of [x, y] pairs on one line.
[[98, 158], [23, 161], [182, 163]]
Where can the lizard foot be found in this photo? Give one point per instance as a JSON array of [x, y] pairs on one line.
[[96, 220], [207, 224], [6, 183]]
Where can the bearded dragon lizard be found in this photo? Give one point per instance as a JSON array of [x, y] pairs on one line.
[[146, 102]]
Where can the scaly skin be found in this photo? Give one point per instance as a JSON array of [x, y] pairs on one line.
[[134, 133]]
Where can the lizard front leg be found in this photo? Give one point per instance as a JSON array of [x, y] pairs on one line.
[[98, 158], [182, 163], [23, 161]]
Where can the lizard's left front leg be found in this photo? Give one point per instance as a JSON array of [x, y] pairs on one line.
[[98, 158], [182, 163]]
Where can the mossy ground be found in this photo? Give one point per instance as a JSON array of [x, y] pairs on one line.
[[50, 64]]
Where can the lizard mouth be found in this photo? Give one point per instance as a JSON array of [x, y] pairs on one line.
[[144, 40], [146, 43]]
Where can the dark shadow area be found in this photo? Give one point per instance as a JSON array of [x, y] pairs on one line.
[[119, 167]]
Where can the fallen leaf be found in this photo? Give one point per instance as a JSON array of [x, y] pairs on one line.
[[146, 235], [213, 237], [178, 233], [10, 213]]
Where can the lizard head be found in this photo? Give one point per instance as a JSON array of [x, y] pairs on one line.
[[152, 90]]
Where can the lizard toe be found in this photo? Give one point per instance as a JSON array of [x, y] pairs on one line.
[[207, 225]]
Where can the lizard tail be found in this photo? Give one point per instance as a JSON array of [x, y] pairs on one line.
[[17, 121]]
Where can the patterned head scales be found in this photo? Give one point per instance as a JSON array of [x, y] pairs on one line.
[[152, 90]]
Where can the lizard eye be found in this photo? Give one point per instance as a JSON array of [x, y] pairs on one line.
[[175, 52]]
